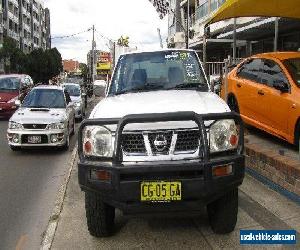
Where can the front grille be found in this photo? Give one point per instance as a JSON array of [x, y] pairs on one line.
[[160, 142], [34, 126], [187, 140], [44, 139], [133, 144]]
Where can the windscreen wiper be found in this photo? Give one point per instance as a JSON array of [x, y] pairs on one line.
[[147, 87], [189, 86]]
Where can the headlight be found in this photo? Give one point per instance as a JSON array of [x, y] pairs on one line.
[[55, 126], [97, 141], [223, 136], [15, 125]]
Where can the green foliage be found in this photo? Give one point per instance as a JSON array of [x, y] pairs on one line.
[[84, 70], [14, 58], [39, 64], [123, 41]]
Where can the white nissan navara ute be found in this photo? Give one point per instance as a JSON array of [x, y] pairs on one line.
[[160, 142]]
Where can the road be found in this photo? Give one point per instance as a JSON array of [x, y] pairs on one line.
[[29, 182]]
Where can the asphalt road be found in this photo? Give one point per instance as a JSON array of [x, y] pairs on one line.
[[29, 182]]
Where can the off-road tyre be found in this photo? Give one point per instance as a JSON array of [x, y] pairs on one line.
[[222, 213], [100, 216]]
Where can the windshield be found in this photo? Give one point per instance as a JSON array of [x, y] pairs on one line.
[[73, 90], [293, 66], [9, 84], [158, 71], [44, 98]]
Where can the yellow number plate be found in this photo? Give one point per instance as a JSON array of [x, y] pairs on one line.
[[161, 191]]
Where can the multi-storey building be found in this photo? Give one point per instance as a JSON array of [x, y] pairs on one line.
[[27, 22], [253, 35], [1, 38]]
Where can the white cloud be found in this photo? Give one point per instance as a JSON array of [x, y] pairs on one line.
[[136, 18]]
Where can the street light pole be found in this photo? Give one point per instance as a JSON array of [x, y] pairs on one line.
[[93, 54]]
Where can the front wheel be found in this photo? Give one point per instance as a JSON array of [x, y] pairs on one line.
[[222, 213], [100, 216]]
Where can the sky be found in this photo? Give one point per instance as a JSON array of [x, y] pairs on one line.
[[137, 19]]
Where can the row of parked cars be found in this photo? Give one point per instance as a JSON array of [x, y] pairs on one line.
[[42, 115]]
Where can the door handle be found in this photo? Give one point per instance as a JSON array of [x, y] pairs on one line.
[[238, 85], [260, 92]]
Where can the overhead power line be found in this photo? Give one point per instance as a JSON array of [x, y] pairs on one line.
[[72, 35]]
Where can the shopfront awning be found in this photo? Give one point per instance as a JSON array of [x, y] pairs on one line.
[[253, 8]]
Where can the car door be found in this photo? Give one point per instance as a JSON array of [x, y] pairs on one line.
[[69, 110], [247, 82], [277, 104]]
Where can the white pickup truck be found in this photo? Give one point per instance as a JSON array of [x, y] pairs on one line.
[[160, 142]]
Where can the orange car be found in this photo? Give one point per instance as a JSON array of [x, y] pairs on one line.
[[265, 90]]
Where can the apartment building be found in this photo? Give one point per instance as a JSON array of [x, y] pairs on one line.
[[27, 22], [254, 35]]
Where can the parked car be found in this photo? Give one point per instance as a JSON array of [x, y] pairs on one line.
[[99, 87], [160, 141], [77, 98], [265, 90], [12, 88], [45, 118]]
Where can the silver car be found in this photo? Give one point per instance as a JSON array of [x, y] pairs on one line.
[[45, 118], [77, 98]]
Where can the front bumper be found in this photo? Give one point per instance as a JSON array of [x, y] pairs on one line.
[[45, 137], [198, 185]]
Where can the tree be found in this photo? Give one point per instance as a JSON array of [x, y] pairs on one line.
[[44, 65], [15, 59], [123, 41], [84, 70]]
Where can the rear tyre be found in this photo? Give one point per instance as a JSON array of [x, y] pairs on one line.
[[100, 216], [15, 148], [222, 213], [233, 104]]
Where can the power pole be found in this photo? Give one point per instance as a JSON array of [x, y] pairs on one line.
[[93, 55], [187, 33], [160, 40]]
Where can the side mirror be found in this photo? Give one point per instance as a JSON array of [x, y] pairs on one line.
[[281, 86], [18, 103]]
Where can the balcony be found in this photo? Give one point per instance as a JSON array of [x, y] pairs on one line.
[[13, 17], [13, 35]]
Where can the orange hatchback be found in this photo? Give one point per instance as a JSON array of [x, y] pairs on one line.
[[265, 90]]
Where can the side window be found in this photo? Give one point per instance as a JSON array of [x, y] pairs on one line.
[[68, 98], [251, 70], [272, 73]]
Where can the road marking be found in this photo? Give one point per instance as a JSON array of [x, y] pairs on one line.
[[21, 242]]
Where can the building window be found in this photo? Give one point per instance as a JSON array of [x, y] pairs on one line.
[[10, 24]]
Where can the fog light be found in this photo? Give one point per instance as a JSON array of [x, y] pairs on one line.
[[54, 138], [222, 170], [101, 175], [15, 138]]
